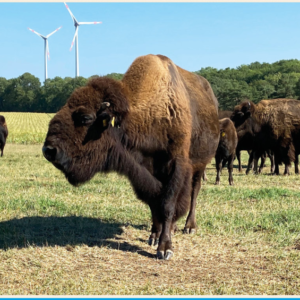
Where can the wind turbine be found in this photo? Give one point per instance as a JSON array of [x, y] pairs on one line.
[[46, 46], [77, 24]]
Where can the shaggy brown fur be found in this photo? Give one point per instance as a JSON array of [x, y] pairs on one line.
[[165, 132], [226, 148], [276, 126], [3, 133]]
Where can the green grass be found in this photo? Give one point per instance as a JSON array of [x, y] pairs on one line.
[[61, 240]]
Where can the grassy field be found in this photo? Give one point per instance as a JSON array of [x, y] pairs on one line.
[[56, 239]]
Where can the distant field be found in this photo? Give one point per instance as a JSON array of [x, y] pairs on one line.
[[26, 128]]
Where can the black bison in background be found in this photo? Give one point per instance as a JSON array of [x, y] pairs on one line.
[[226, 148], [158, 126], [276, 127], [3, 133]]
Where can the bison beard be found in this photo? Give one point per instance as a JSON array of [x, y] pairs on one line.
[[158, 126]]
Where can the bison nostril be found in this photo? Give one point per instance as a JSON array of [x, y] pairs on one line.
[[49, 152]]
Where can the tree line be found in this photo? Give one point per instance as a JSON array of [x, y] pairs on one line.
[[255, 82], [27, 94]]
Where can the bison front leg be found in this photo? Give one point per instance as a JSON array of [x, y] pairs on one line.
[[173, 206], [156, 227], [271, 156], [238, 156], [276, 169], [296, 164], [219, 169]]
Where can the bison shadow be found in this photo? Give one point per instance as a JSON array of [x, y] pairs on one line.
[[64, 231]]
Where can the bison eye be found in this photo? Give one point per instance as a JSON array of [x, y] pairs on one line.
[[83, 118], [87, 119]]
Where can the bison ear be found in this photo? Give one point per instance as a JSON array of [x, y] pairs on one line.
[[104, 120], [111, 92]]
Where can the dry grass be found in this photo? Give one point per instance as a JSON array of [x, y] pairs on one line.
[[59, 240]]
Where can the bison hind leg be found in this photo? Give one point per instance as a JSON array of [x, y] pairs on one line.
[[191, 225]]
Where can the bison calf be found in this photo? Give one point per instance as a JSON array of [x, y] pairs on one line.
[[3, 133], [226, 148]]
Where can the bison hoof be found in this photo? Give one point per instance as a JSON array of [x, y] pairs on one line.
[[188, 230], [231, 183], [153, 242], [161, 255], [217, 183]]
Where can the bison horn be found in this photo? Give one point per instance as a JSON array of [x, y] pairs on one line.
[[249, 104], [105, 104]]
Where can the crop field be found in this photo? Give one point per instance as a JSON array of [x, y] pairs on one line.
[[56, 239], [26, 128]]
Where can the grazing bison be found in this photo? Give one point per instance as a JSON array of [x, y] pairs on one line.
[[158, 126], [3, 133], [275, 124], [226, 148]]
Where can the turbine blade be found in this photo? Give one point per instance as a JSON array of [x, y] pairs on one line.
[[53, 32], [72, 16], [35, 32], [88, 23], [76, 32]]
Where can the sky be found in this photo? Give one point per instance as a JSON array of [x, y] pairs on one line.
[[193, 35]]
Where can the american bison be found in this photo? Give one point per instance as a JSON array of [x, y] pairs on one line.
[[275, 124], [158, 126], [3, 133], [226, 148], [245, 137]]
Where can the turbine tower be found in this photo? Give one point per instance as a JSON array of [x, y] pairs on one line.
[[46, 46], [77, 24]]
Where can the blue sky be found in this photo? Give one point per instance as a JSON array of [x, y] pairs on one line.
[[193, 35]]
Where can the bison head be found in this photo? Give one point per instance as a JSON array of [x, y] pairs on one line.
[[80, 135], [242, 112]]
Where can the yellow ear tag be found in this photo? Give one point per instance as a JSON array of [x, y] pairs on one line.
[[113, 122], [104, 123], [223, 134]]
